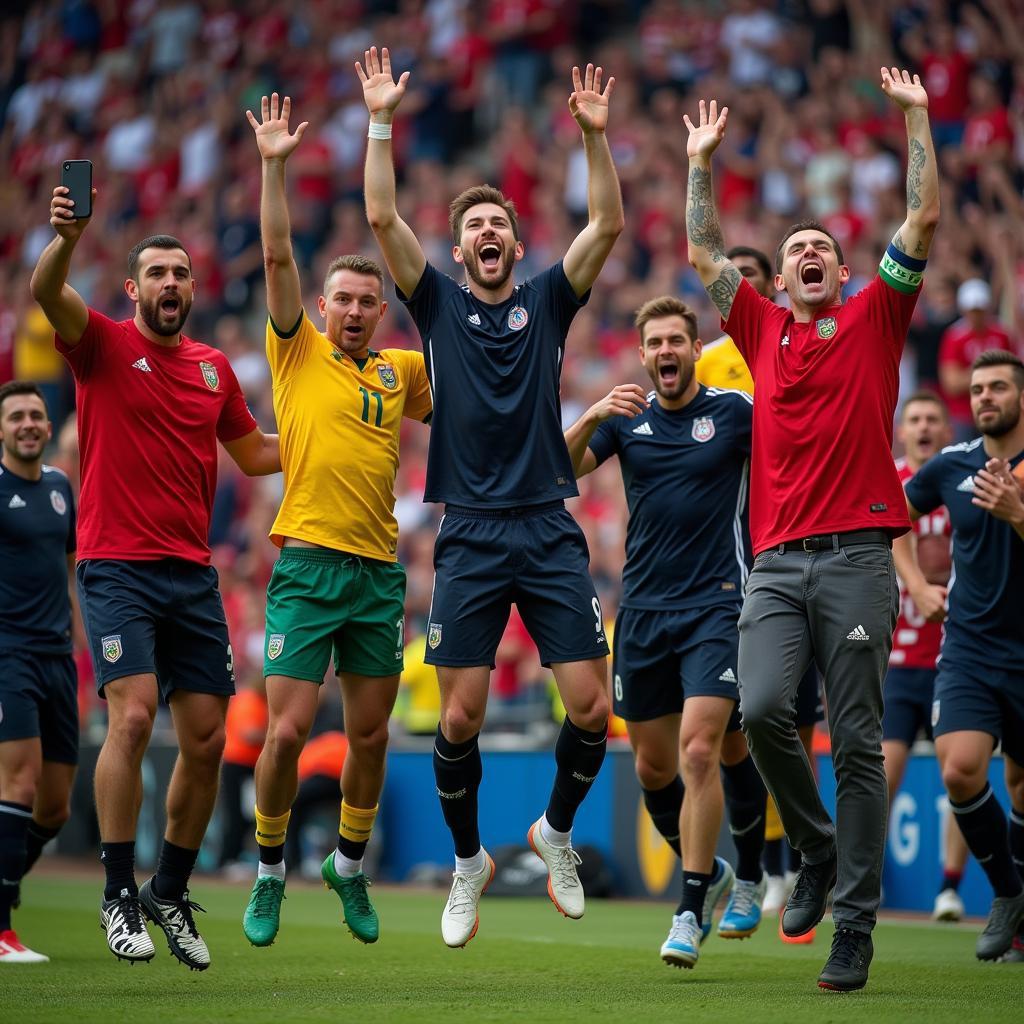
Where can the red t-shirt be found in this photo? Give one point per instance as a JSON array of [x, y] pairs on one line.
[[826, 394], [916, 642], [149, 419], [961, 344], [945, 79]]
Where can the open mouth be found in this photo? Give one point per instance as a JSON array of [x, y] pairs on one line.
[[812, 273], [353, 331], [668, 373], [490, 255], [169, 305]]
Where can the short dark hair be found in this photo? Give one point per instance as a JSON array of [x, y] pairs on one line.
[[666, 305], [21, 387], [153, 242], [358, 265], [474, 197], [755, 254], [807, 225], [924, 395], [1000, 357]]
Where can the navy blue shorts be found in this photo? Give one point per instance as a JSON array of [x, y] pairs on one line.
[[663, 657], [535, 557], [980, 699], [809, 708], [908, 694], [163, 617], [39, 698]]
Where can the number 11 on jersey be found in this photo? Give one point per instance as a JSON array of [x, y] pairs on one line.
[[366, 406]]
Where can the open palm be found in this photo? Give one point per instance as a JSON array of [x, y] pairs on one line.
[[380, 91], [273, 137], [709, 132], [588, 104], [905, 90]]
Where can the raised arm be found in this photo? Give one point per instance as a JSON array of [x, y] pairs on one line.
[[914, 237], [276, 143], [64, 307], [705, 247], [623, 400], [605, 218], [382, 94]]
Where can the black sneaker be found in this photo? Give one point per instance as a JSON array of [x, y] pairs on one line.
[[1003, 919], [122, 919], [806, 906], [847, 967], [175, 918]]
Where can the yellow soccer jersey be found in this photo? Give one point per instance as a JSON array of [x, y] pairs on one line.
[[721, 366], [339, 425]]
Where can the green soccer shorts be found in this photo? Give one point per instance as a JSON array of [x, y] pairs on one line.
[[319, 601]]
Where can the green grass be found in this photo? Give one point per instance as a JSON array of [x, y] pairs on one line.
[[527, 963]]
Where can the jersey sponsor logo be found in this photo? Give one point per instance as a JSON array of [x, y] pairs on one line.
[[785, 341], [210, 377], [16, 502], [141, 364], [388, 377], [517, 317], [644, 430], [111, 647], [966, 485], [275, 645], [858, 633], [474, 319], [434, 635], [60, 506], [703, 429], [827, 327]]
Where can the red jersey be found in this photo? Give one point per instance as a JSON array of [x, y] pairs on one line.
[[149, 418], [961, 344], [916, 642], [826, 394], [945, 79]]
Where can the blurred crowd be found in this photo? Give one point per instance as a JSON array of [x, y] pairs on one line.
[[154, 93]]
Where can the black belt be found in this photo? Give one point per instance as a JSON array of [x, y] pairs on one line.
[[835, 541]]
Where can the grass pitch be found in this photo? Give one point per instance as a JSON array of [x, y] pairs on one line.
[[526, 963]]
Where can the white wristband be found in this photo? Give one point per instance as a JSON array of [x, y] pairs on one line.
[[379, 131]]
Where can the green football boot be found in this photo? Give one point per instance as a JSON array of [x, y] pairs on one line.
[[359, 915], [262, 916]]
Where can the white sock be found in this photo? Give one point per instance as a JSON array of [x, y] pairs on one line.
[[271, 870], [346, 867], [552, 836], [471, 865]]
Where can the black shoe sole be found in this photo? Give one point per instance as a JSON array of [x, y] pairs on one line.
[[840, 986]]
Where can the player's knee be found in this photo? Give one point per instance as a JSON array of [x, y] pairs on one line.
[[654, 772], [20, 784], [369, 744], [591, 711], [700, 759], [285, 740], [52, 813], [962, 779], [132, 726], [460, 722], [205, 750]]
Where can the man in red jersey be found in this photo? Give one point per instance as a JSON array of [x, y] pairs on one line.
[[152, 405], [825, 504]]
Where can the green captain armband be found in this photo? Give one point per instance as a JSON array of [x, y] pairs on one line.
[[901, 271]]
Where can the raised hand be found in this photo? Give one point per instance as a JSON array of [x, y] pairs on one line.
[[381, 92], [62, 214], [905, 90], [588, 104], [708, 133], [273, 137]]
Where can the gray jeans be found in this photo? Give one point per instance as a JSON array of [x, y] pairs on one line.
[[838, 608]]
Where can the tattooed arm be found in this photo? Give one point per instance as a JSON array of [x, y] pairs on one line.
[[915, 235], [704, 243]]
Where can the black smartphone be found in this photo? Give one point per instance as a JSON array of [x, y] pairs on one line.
[[76, 176]]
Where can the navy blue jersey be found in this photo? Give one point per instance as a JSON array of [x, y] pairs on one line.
[[685, 473], [496, 434], [37, 533], [986, 589]]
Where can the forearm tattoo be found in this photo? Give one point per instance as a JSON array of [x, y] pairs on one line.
[[722, 291], [702, 225], [916, 157]]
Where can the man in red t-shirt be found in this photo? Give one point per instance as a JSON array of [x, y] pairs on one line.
[[152, 405], [825, 503]]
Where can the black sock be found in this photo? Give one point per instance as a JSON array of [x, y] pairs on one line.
[[271, 854], [746, 800], [984, 827], [664, 805], [578, 756], [772, 856], [14, 821], [457, 772], [950, 880], [119, 864], [172, 871], [1017, 839], [38, 836], [695, 891]]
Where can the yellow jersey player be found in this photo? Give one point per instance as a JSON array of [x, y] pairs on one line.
[[337, 585]]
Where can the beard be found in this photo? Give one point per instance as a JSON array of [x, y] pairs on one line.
[[473, 269], [154, 320], [671, 392], [1002, 424]]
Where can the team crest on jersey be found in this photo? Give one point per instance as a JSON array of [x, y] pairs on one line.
[[827, 327], [111, 646], [210, 375], [60, 506], [703, 429], [387, 375], [434, 636], [275, 645], [517, 317]]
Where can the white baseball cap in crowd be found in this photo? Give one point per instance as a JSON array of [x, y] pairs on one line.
[[973, 294]]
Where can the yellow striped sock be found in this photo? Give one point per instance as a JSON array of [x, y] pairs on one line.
[[356, 822], [271, 831]]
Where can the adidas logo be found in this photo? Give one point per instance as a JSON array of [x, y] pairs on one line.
[[141, 364], [474, 319], [728, 676], [966, 485], [858, 633], [644, 430], [16, 502], [785, 340]]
